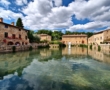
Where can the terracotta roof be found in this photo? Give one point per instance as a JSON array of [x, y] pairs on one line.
[[13, 26], [98, 32], [101, 31], [75, 35]]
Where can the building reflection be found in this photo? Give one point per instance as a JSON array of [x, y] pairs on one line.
[[100, 56], [9, 63], [45, 53], [78, 52], [74, 51]]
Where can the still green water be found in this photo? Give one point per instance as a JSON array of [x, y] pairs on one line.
[[54, 69]]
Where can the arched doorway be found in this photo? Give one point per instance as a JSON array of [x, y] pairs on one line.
[[10, 43], [26, 43], [17, 43], [82, 41]]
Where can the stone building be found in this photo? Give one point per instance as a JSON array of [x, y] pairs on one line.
[[91, 40], [97, 38], [75, 39], [12, 35], [44, 37], [100, 37], [106, 34]]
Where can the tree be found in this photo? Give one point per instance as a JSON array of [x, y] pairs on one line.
[[57, 35], [89, 34], [43, 31], [33, 38], [19, 23], [68, 32], [30, 36]]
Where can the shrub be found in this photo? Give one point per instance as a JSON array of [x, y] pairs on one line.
[[14, 48], [83, 45], [62, 45], [30, 48], [91, 46], [46, 46], [73, 45], [99, 48], [55, 42]]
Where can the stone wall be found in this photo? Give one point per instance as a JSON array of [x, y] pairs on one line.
[[9, 48], [20, 35]]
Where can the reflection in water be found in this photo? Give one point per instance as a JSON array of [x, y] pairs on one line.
[[69, 51], [55, 70], [100, 56], [10, 63], [74, 51]]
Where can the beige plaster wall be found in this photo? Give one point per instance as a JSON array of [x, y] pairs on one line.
[[74, 39], [98, 38]]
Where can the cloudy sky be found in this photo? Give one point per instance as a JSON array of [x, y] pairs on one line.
[[72, 15]]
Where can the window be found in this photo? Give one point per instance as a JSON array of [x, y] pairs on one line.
[[19, 29], [100, 38], [13, 36], [26, 37], [6, 26], [5, 34], [82, 41], [97, 38], [19, 36]]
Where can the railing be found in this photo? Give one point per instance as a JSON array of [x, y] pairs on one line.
[[13, 38]]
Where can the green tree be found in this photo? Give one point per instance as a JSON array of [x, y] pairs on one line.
[[68, 32], [89, 34], [57, 35], [19, 23], [33, 38], [43, 31]]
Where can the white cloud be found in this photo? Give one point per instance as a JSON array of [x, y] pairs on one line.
[[58, 2], [21, 2], [90, 9], [43, 15], [7, 14], [89, 26], [5, 2]]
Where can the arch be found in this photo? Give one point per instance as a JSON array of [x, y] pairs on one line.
[[17, 43], [25, 43], [82, 41], [10, 43]]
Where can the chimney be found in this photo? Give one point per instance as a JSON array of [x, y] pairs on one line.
[[1, 19], [12, 23]]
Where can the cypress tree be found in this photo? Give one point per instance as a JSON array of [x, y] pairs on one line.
[[19, 23]]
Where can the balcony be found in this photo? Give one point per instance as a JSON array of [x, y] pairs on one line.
[[14, 38]]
